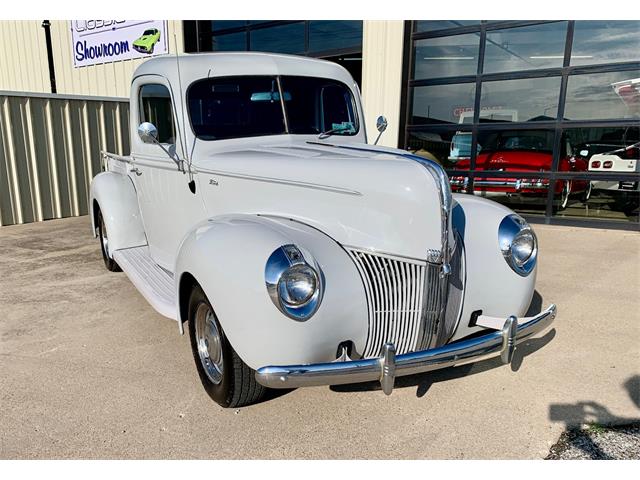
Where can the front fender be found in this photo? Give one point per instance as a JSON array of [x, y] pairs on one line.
[[227, 257], [491, 285], [115, 196]]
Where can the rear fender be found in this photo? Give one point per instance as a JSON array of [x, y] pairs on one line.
[[115, 196], [227, 255]]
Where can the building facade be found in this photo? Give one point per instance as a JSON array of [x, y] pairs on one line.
[[540, 115]]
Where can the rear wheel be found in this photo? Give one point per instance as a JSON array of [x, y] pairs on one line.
[[225, 377], [109, 262]]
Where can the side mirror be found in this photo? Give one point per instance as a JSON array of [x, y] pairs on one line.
[[381, 125], [148, 132]]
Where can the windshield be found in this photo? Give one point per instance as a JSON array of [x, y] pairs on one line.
[[149, 32], [248, 106], [541, 141]]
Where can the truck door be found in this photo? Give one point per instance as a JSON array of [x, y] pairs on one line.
[[167, 205]]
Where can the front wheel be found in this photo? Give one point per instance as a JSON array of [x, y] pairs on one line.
[[587, 193], [225, 377], [109, 262], [564, 195]]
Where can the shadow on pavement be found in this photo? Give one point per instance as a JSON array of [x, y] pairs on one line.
[[574, 416]]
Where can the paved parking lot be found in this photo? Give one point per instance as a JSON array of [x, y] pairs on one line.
[[89, 370]]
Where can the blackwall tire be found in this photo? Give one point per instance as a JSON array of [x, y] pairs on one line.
[[109, 262], [225, 377]]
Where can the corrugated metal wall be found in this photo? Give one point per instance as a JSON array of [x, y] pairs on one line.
[[50, 150]]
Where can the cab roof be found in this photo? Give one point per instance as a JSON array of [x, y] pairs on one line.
[[221, 64]]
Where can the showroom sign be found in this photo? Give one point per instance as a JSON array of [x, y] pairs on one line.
[[105, 41]]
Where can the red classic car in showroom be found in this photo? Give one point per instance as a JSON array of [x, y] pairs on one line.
[[522, 152]]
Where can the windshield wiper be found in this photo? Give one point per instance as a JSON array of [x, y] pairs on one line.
[[328, 133]]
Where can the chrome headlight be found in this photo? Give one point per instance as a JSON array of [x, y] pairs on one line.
[[295, 285], [518, 244]]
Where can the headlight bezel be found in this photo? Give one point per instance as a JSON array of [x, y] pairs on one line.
[[513, 227], [281, 263]]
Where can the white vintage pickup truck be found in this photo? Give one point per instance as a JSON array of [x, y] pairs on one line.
[[253, 209]]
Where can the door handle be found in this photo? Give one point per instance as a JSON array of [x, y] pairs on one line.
[[136, 171]]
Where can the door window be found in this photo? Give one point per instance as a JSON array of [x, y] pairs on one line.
[[155, 107]]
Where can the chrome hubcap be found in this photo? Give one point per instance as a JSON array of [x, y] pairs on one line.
[[209, 343], [104, 239]]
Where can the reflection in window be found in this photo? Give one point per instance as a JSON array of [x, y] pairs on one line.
[[442, 103], [446, 56], [234, 107], [603, 96], [316, 105], [530, 99], [525, 48], [229, 42], [280, 39], [430, 25], [441, 147], [217, 25], [620, 146], [524, 150], [605, 41], [610, 200], [155, 107], [334, 34]]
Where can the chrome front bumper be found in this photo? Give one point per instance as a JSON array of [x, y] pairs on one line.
[[389, 366], [518, 184]]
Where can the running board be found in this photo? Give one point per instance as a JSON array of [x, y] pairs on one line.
[[153, 282]]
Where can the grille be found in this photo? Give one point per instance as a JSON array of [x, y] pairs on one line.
[[407, 301]]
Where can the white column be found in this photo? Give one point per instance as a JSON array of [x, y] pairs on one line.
[[382, 51]]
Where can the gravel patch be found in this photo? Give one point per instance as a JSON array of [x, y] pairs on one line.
[[595, 442]]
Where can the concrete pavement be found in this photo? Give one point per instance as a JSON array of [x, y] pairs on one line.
[[89, 370]]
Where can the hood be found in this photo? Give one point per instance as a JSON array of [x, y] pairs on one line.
[[144, 39], [517, 160], [375, 200]]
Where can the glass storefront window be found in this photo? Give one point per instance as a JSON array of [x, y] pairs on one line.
[[525, 155], [525, 48], [517, 150], [432, 25], [442, 103], [531, 99], [599, 199], [334, 34], [605, 41], [217, 25], [229, 42], [603, 96], [279, 39], [525, 195], [446, 56], [443, 147], [607, 149]]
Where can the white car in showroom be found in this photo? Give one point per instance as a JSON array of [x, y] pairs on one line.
[[253, 209]]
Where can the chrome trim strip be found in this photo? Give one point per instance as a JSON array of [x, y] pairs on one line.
[[113, 156], [501, 342], [391, 256], [293, 183]]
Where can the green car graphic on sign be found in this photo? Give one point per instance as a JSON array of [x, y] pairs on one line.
[[147, 41]]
